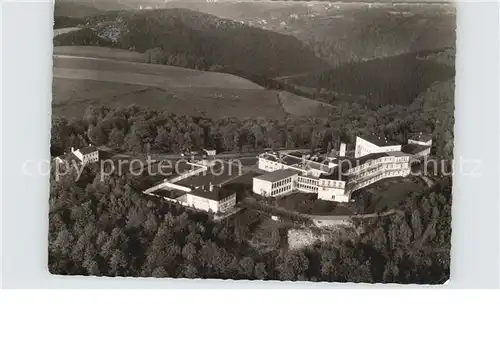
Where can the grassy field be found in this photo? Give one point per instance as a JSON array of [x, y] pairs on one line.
[[386, 194], [99, 52], [309, 204], [72, 96], [301, 106], [378, 197], [145, 74], [86, 76]]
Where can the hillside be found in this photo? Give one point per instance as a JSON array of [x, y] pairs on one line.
[[345, 32], [78, 9], [99, 52], [83, 81], [392, 80], [197, 40]]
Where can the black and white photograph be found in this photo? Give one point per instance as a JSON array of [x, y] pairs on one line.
[[253, 140]]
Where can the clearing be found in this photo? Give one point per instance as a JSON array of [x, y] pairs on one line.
[[72, 96], [73, 67], [386, 194], [99, 52], [301, 106], [108, 77], [308, 203]]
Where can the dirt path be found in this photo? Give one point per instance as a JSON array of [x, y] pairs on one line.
[[60, 31]]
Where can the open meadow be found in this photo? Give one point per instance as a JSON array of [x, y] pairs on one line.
[[88, 76]]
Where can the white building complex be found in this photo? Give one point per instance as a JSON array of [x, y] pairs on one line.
[[89, 154], [198, 185], [86, 155], [335, 178]]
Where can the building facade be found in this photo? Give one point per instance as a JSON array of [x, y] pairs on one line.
[[86, 155], [386, 165], [373, 145], [336, 178], [275, 183], [215, 200], [420, 139]]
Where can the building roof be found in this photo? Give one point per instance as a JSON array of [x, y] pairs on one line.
[[420, 137], [414, 148], [216, 194], [339, 172], [277, 175], [379, 140], [290, 160], [397, 153], [216, 174], [169, 193], [268, 156], [308, 164], [88, 150], [336, 174], [362, 160]]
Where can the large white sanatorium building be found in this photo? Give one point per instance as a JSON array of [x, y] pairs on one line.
[[335, 178]]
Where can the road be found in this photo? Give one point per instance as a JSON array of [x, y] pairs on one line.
[[159, 157], [60, 31]]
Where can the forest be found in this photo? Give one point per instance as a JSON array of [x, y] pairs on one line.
[[391, 80], [142, 130], [110, 228], [196, 40], [191, 39]]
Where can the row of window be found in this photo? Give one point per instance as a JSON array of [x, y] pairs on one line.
[[378, 177], [373, 163], [281, 183], [381, 169], [281, 190], [331, 183], [308, 187], [306, 180]]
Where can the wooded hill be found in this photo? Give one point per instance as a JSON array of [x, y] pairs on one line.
[[391, 80], [202, 41]]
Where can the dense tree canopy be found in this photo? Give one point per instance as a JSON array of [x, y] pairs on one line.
[[110, 228], [141, 130]]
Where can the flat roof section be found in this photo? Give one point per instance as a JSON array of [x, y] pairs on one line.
[[397, 153], [379, 141], [290, 160], [269, 157], [277, 175], [216, 194], [170, 193], [217, 174], [339, 172], [88, 150], [420, 137], [414, 148], [370, 157]]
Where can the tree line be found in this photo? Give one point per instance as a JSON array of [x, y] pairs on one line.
[[109, 228], [141, 130]]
